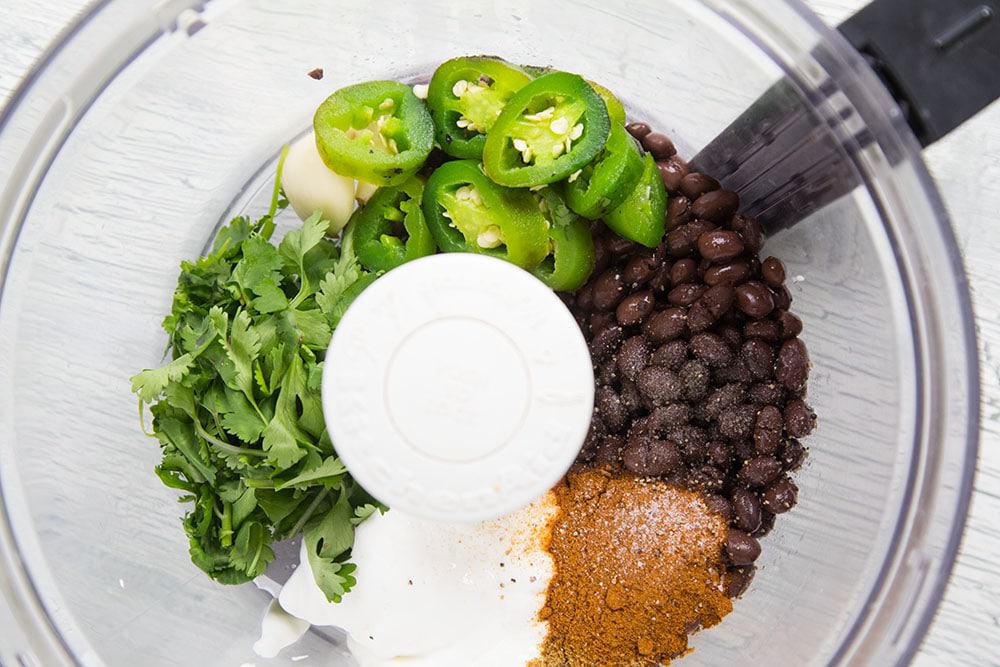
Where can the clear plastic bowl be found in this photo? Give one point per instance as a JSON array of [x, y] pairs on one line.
[[152, 121]]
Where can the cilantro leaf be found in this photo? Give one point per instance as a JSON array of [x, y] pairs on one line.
[[362, 512], [237, 411], [327, 538], [329, 473], [151, 382], [251, 552], [270, 299]]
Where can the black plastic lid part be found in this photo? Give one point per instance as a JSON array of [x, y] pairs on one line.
[[940, 59]]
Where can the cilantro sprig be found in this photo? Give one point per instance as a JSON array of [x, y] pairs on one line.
[[237, 410]]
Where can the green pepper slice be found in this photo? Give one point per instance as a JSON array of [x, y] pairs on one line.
[[390, 229], [640, 217], [607, 181], [467, 212], [549, 128], [616, 110], [465, 97], [572, 258], [378, 132]]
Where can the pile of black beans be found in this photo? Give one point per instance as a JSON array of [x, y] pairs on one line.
[[699, 369]]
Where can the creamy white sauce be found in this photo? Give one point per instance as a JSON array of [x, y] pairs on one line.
[[442, 595], [278, 630]]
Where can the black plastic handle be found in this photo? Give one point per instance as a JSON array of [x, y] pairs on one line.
[[940, 59]]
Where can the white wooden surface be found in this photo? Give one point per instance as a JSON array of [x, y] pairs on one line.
[[966, 166]]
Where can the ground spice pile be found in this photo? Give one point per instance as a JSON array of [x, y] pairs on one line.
[[638, 565]]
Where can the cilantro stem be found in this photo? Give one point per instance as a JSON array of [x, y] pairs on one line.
[[225, 446], [142, 421], [268, 228], [226, 532], [300, 524]]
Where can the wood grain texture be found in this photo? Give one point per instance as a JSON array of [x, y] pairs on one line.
[[966, 166]]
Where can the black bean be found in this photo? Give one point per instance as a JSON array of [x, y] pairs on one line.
[[602, 255], [609, 405], [773, 271], [696, 184], [695, 376], [699, 317], [799, 419], [652, 457], [639, 269], [666, 325], [585, 297], [690, 437], [631, 398], [791, 326], [767, 393], [672, 171], [750, 232], [633, 357], [678, 211], [659, 145], [605, 342], [732, 336], [670, 416], [759, 357], [600, 321], [609, 450], [780, 496], [719, 245], [634, 308], [746, 509], [711, 349], [736, 371], [681, 241], [766, 330], [720, 453], [737, 580], [723, 398], [685, 295], [638, 130], [717, 206], [741, 549], [607, 371], [683, 271], [767, 430], [782, 297], [736, 423], [718, 298], [659, 385], [744, 450], [791, 454], [766, 524], [660, 282], [792, 368], [594, 434], [733, 272], [719, 505], [707, 478], [752, 297], [672, 354], [759, 471], [609, 288]]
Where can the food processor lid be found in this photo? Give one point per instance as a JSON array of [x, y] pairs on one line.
[[458, 387]]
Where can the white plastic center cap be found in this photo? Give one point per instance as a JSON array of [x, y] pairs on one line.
[[457, 387]]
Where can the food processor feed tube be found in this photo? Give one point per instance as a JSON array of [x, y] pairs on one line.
[[937, 60]]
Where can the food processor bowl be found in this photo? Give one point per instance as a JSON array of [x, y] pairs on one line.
[[150, 122]]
